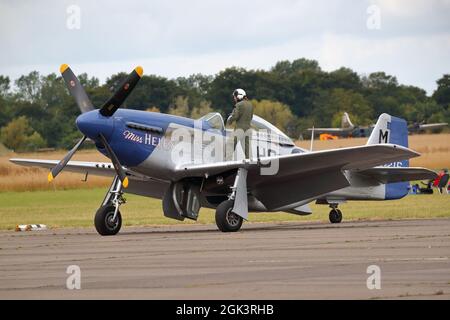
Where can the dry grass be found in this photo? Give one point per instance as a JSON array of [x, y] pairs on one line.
[[19, 178], [434, 148]]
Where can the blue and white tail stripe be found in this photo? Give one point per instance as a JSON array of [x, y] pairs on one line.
[[392, 130]]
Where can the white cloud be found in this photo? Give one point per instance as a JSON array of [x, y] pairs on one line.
[[411, 8], [182, 37], [408, 58]]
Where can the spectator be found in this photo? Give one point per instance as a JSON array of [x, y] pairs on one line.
[[442, 180], [428, 189]]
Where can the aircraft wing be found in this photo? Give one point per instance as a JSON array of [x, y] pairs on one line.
[[390, 174], [95, 168], [329, 130], [140, 185], [302, 176], [431, 126], [352, 158]]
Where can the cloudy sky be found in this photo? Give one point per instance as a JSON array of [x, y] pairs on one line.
[[406, 38]]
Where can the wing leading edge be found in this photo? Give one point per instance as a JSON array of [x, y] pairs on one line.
[[96, 168]]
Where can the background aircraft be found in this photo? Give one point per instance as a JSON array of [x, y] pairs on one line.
[[347, 128], [420, 127], [141, 146]]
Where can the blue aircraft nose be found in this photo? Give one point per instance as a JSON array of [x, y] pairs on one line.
[[92, 123]]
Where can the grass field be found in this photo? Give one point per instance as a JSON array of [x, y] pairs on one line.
[[76, 208]]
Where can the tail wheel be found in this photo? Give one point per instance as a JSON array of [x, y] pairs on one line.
[[226, 220], [104, 222], [335, 216]]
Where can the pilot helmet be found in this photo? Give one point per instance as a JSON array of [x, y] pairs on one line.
[[239, 94]]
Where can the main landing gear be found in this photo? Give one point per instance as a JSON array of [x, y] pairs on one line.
[[226, 220], [230, 214], [335, 214], [108, 219]]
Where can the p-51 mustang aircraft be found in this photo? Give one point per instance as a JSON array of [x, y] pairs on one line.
[[150, 159], [348, 129]]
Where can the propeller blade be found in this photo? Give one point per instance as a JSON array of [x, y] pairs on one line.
[[119, 170], [76, 89], [60, 166], [122, 93]]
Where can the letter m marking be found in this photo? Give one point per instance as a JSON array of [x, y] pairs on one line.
[[383, 137]]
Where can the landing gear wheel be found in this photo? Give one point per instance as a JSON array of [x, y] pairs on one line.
[[335, 216], [226, 220], [104, 223]]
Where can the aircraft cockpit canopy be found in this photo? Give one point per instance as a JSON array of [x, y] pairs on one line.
[[214, 120], [261, 126]]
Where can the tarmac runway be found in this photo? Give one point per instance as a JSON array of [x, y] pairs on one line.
[[263, 261]]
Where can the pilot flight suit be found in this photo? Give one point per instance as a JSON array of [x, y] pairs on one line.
[[242, 114]]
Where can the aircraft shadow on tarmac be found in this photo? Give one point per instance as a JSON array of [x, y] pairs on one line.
[[255, 227]]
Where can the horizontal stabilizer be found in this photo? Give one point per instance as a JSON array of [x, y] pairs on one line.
[[390, 174]]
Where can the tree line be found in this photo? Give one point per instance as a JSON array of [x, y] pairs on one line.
[[36, 111]]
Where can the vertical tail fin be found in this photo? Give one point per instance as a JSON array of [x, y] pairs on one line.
[[346, 123], [389, 129]]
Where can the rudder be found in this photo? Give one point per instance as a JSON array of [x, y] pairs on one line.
[[392, 130]]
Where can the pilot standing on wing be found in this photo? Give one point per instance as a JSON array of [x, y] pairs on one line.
[[242, 115]]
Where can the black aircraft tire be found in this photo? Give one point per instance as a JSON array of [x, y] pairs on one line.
[[335, 216], [103, 221], [226, 220]]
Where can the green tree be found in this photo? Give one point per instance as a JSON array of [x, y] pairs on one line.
[[201, 110], [428, 111], [313, 95], [276, 113], [19, 136], [153, 90], [153, 109], [344, 78], [442, 93], [380, 81], [287, 68], [5, 109], [4, 85], [223, 85], [332, 104], [29, 86], [180, 107]]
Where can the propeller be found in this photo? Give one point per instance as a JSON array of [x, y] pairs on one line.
[[107, 110], [58, 168], [117, 166], [76, 89], [120, 95]]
